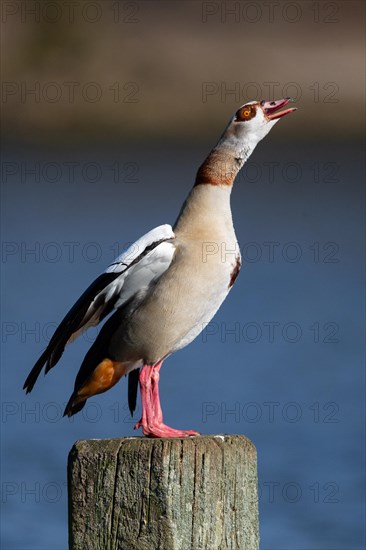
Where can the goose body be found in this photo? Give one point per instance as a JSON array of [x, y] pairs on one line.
[[189, 293], [167, 286]]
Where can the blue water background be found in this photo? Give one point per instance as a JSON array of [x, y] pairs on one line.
[[298, 394]]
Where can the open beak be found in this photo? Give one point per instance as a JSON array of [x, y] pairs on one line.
[[271, 108]]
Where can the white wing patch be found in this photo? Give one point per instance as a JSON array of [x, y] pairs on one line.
[[163, 232], [149, 268], [136, 268]]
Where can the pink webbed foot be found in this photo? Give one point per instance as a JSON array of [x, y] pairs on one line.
[[162, 430], [152, 417]]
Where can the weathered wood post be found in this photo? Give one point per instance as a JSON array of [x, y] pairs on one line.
[[169, 494]]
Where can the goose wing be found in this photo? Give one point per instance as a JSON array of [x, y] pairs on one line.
[[134, 270]]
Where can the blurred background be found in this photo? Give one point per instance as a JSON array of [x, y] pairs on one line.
[[108, 108]]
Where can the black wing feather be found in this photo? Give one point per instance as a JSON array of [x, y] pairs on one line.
[[133, 382], [72, 322], [68, 326]]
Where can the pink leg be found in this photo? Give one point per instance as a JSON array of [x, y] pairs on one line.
[[152, 417], [155, 375]]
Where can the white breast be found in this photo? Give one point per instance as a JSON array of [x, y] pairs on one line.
[[190, 292]]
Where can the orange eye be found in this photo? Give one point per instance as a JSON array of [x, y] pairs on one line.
[[246, 113]]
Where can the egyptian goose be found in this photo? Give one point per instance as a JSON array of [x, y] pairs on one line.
[[167, 286]]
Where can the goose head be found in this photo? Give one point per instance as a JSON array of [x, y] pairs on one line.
[[253, 121]]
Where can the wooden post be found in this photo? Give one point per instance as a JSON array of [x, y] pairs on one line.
[[169, 494]]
